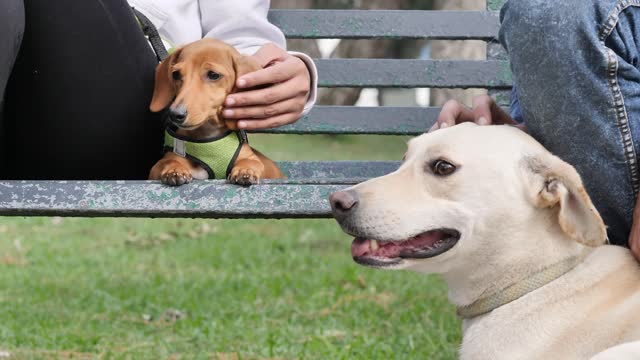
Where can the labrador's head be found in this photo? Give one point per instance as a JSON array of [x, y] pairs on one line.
[[465, 194], [195, 80]]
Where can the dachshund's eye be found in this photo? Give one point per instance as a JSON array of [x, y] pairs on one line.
[[176, 75], [442, 168], [213, 76]]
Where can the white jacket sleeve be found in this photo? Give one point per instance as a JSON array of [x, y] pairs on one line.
[[240, 23], [244, 25]]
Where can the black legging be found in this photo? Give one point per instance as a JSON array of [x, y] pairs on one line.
[[77, 97]]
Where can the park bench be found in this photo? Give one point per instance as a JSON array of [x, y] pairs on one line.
[[304, 194]]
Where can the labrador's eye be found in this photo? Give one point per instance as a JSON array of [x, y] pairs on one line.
[[176, 75], [213, 76], [442, 168]]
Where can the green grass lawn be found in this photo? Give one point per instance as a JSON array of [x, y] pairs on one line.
[[221, 289]]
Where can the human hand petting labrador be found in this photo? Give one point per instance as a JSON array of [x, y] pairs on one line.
[[280, 103], [485, 111]]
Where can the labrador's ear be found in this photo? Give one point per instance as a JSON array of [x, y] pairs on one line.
[[164, 89], [554, 184]]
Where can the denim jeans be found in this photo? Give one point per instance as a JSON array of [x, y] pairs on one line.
[[576, 72]]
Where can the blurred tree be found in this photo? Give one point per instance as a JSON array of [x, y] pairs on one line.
[[468, 50]]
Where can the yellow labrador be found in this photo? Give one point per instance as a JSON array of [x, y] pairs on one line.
[[514, 234]]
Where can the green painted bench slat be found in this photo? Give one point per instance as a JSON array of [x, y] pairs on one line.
[[303, 194], [207, 199], [390, 73], [386, 24], [363, 120]]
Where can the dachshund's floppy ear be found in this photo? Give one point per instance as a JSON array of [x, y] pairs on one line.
[[164, 89], [556, 185]]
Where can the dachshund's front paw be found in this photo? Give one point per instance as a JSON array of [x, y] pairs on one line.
[[176, 176], [244, 176]]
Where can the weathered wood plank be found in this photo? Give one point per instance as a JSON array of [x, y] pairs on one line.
[[206, 199], [362, 120], [386, 24], [391, 73], [304, 194]]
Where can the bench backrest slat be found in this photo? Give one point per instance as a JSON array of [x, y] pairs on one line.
[[362, 120], [392, 73], [386, 24]]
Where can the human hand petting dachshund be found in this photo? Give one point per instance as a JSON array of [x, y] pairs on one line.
[[281, 102], [485, 111]]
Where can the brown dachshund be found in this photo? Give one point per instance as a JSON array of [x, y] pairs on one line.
[[199, 143]]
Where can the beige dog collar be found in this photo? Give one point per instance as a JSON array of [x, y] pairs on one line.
[[521, 288]]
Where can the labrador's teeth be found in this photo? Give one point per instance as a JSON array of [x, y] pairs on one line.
[[373, 245]]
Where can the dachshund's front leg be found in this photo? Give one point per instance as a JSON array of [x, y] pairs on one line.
[[172, 170], [248, 169]]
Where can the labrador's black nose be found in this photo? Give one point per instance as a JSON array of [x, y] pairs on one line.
[[178, 115], [342, 202]]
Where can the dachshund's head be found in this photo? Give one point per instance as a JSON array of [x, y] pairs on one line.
[[195, 80]]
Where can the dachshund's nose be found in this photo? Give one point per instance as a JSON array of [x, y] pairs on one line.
[[178, 114], [342, 202]]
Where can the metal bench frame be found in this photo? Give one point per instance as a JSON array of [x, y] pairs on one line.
[[306, 191]]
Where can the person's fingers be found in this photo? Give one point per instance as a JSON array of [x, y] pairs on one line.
[[292, 105], [266, 96], [486, 112], [277, 73], [452, 113], [483, 110]]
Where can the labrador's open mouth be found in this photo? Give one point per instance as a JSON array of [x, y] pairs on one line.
[[387, 253]]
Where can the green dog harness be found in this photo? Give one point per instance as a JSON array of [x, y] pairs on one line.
[[215, 155]]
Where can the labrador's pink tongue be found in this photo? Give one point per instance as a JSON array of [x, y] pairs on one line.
[[359, 247]]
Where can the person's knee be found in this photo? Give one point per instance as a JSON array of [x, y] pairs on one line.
[[540, 20]]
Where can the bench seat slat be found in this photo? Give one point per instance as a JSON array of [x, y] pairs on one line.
[[392, 73], [304, 194], [383, 120], [386, 24], [206, 199]]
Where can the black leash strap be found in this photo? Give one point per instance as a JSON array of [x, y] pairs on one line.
[[151, 32]]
